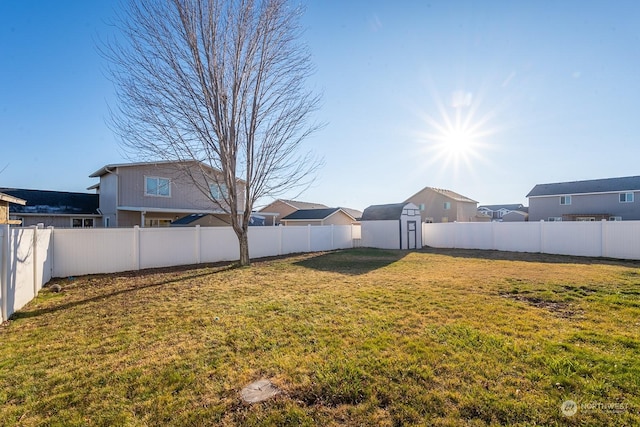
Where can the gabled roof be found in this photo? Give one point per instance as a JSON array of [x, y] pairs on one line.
[[352, 212], [53, 202], [447, 193], [313, 214], [383, 212], [511, 207], [606, 185], [303, 205], [108, 168]]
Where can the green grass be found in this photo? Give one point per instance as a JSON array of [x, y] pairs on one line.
[[357, 337]]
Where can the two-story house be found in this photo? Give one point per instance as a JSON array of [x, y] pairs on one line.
[[440, 205], [611, 199], [154, 194]]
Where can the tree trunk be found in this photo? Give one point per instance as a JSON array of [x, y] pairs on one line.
[[243, 239]]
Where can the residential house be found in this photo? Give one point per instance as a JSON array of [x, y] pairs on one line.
[[278, 209], [327, 216], [612, 199], [5, 200], [439, 205], [518, 215], [54, 208], [496, 212], [155, 194]]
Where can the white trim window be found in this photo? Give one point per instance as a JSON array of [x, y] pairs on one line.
[[626, 198], [565, 200], [155, 186], [555, 219], [219, 191], [615, 218], [447, 206], [82, 222]]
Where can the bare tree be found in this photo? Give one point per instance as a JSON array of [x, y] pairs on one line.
[[221, 83]]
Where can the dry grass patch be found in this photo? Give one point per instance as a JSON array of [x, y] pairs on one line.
[[357, 337]]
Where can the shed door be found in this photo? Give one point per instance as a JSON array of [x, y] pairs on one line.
[[411, 235]]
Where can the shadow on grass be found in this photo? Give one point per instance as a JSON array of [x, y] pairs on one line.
[[353, 261], [25, 314], [528, 257]]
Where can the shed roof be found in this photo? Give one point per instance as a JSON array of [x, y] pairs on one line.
[[53, 202], [606, 185], [383, 212]]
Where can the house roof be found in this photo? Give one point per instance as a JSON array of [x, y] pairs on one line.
[[53, 202], [606, 185], [511, 207], [447, 193], [186, 220], [11, 199], [353, 212], [383, 212], [107, 168], [296, 204], [313, 214]]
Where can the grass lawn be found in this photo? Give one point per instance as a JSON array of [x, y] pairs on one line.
[[357, 337]]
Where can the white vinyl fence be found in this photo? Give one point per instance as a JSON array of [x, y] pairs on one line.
[[25, 266], [610, 239], [30, 257]]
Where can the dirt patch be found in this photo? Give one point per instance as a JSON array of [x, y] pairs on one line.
[[560, 309]]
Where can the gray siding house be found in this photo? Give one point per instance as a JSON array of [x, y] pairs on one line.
[[611, 199], [155, 194]]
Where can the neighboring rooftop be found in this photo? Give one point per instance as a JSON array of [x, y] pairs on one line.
[[303, 205], [606, 185], [313, 214], [53, 202], [447, 193], [509, 207]]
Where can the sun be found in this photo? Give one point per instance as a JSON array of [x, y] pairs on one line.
[[457, 139]]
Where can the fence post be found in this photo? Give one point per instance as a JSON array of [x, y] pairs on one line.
[[34, 260], [542, 236], [198, 237], [603, 238], [279, 240], [4, 271], [332, 230], [308, 237], [136, 247]]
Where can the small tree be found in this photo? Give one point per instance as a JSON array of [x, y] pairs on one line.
[[220, 82]]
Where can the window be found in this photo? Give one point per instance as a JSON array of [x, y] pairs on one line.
[[585, 218], [421, 206], [218, 191], [565, 200], [82, 222], [555, 218], [626, 197], [615, 218], [158, 187], [152, 222], [447, 205]]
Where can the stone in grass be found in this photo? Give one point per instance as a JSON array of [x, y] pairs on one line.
[[259, 391], [56, 288]]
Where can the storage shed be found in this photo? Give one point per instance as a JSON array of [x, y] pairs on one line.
[[392, 226]]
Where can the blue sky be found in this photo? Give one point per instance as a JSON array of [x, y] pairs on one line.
[[533, 92]]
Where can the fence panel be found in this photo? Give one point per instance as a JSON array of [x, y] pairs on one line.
[[93, 251], [621, 239], [168, 247], [21, 267], [265, 241], [517, 237], [218, 244], [383, 234], [572, 238], [344, 236], [321, 238], [295, 240]]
